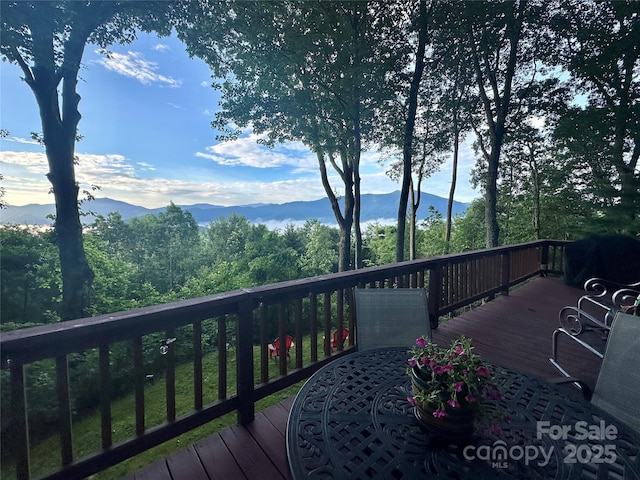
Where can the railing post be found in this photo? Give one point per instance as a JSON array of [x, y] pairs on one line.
[[244, 369], [434, 294], [19, 422], [544, 259], [506, 272]]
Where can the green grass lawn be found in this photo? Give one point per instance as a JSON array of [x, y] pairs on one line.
[[45, 455]]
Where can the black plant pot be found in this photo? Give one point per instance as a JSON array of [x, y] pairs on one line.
[[456, 427]]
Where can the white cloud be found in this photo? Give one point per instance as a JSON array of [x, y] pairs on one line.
[[134, 65], [28, 162], [146, 166], [246, 151], [26, 141], [161, 47]]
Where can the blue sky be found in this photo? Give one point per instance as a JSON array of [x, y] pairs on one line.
[[146, 113]]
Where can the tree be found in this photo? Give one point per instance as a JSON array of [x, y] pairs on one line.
[[422, 27], [501, 43], [321, 255], [306, 71], [29, 293], [46, 39], [599, 44]]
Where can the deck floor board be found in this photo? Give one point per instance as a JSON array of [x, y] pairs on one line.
[[513, 331]]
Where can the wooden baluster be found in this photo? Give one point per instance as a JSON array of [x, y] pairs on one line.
[[244, 361], [140, 380], [313, 320], [64, 410], [264, 341], [197, 365], [19, 429], [327, 323], [222, 358], [340, 319], [105, 395], [298, 331], [282, 329], [170, 376]]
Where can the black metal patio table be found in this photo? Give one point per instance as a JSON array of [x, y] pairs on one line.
[[352, 420]]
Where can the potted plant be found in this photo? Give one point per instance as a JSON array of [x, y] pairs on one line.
[[449, 385]]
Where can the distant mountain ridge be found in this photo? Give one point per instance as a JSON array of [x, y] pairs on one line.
[[382, 207]]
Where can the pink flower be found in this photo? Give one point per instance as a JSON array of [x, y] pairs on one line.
[[458, 386], [460, 351], [411, 401], [448, 368], [438, 369], [453, 402], [421, 342], [412, 362], [483, 371], [439, 413]]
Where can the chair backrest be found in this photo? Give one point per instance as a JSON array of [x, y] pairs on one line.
[[345, 335], [288, 343], [618, 387], [388, 317]]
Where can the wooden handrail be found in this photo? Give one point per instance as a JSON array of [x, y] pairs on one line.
[[315, 306]]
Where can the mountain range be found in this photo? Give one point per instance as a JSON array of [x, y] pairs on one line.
[[375, 207]]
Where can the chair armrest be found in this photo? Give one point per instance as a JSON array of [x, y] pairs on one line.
[[600, 286], [625, 297], [573, 320], [584, 388]]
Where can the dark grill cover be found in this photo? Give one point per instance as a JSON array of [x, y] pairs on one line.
[[611, 257]]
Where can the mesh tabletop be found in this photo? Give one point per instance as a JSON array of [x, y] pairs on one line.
[[352, 420]]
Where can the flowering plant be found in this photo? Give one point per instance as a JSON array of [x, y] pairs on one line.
[[453, 377]]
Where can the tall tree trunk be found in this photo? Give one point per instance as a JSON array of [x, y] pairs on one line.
[[491, 197], [345, 222], [356, 214], [454, 179], [535, 180], [356, 179], [498, 105], [409, 128], [412, 223], [59, 127]]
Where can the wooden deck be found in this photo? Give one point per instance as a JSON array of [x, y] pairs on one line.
[[513, 331]]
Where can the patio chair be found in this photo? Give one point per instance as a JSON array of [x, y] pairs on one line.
[[335, 342], [618, 386], [274, 348], [390, 317]]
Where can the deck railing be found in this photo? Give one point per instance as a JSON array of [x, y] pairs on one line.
[[240, 323]]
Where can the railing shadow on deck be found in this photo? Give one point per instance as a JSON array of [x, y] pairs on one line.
[[311, 307]]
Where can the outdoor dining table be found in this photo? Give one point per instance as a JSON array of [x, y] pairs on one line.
[[352, 420]]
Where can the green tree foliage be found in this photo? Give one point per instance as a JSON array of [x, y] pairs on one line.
[[46, 39], [164, 250], [380, 243], [599, 45], [320, 252], [29, 288]]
